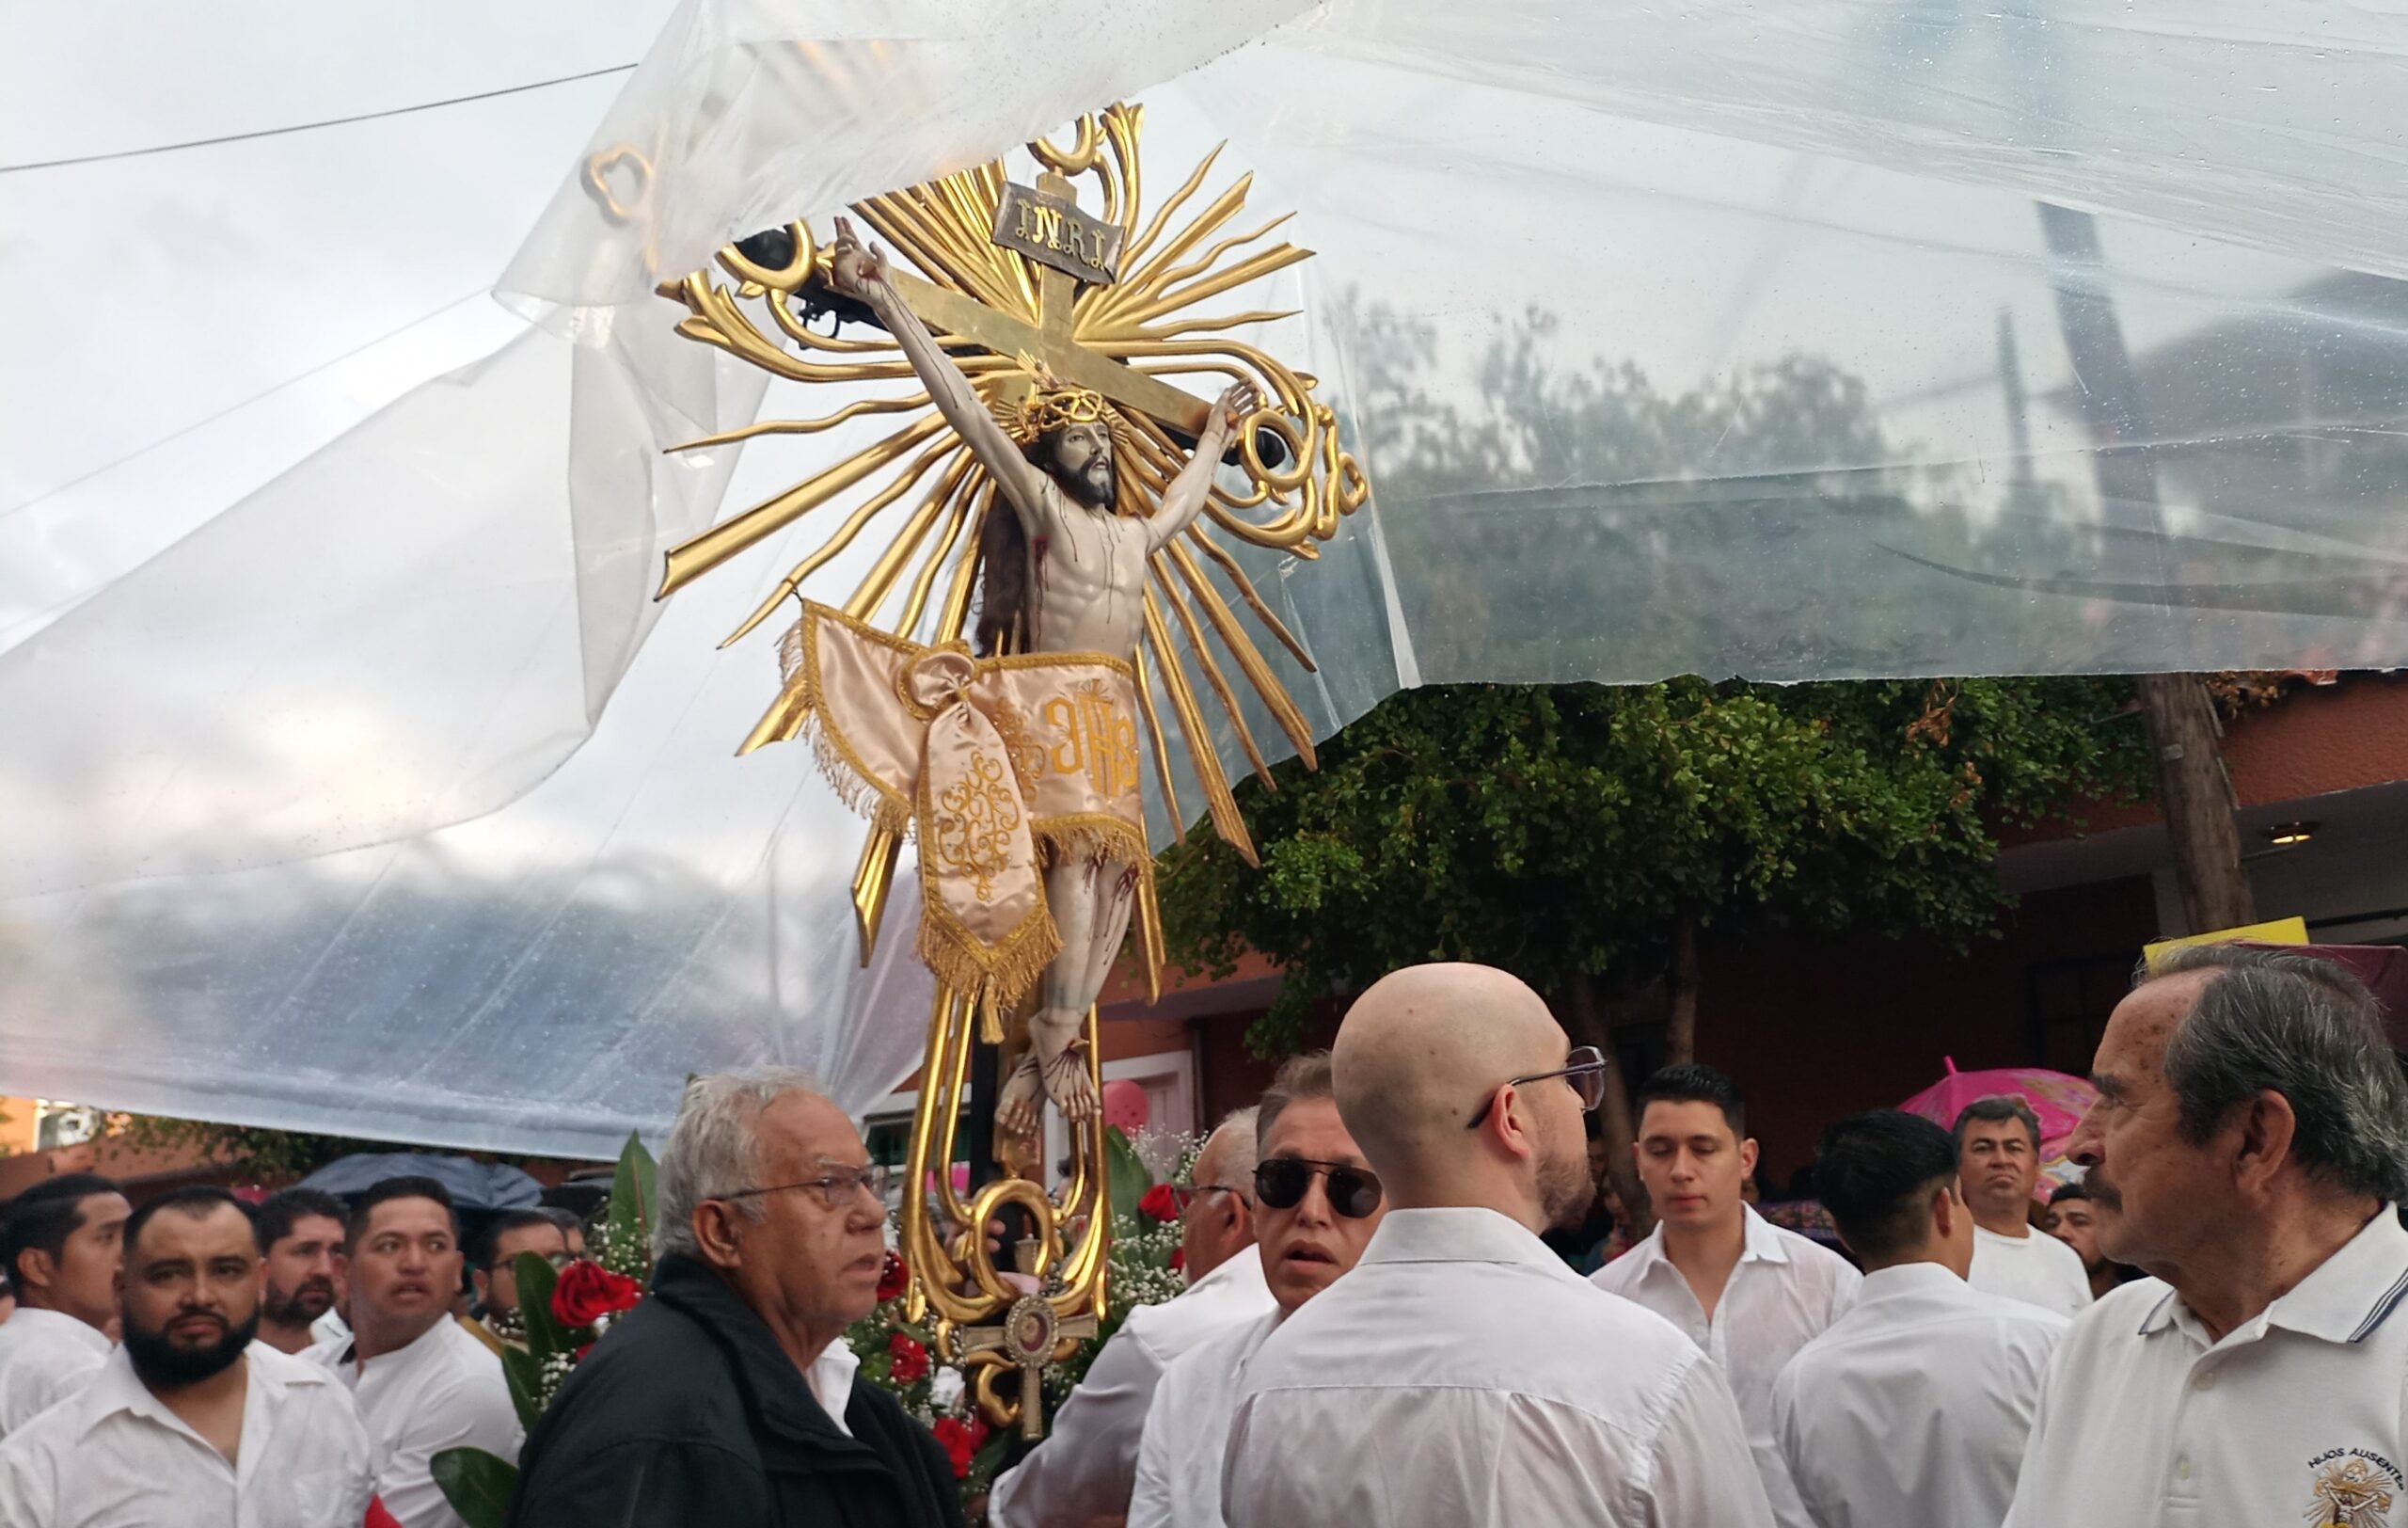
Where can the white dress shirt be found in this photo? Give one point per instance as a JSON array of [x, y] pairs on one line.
[[44, 1357], [1187, 1430], [115, 1457], [830, 1378], [1784, 1292], [2301, 1409], [1461, 1374], [1912, 1410], [1088, 1464], [444, 1390], [2038, 1269]]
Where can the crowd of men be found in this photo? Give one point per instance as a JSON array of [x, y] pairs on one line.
[[1374, 1332], [294, 1364]]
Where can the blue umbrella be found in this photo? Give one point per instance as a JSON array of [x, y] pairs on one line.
[[476, 1187]]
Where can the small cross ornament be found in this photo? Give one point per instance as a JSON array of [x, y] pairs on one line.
[[1026, 1339]]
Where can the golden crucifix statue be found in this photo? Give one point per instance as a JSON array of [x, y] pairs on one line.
[[991, 685], [1080, 588]]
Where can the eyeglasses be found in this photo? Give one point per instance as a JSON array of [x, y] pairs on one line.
[[1281, 1184], [1184, 1199], [837, 1186], [1584, 1069], [558, 1260]]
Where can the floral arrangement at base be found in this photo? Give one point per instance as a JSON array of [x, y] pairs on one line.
[[562, 1314], [898, 1356]]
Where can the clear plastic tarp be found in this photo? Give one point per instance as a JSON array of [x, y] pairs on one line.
[[351, 779]]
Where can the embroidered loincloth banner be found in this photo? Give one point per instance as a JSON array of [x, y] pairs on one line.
[[1001, 766]]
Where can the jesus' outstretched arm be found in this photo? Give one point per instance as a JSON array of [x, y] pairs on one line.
[[861, 273], [1183, 499]]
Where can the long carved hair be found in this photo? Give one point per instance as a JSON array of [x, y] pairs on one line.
[[1003, 579]]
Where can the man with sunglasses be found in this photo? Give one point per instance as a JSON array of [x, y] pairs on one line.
[[1086, 1467], [727, 1400], [1461, 1374], [1740, 1287], [1317, 1202]]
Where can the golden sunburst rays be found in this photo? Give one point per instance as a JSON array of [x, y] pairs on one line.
[[919, 489]]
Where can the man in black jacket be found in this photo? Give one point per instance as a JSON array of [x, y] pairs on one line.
[[727, 1400]]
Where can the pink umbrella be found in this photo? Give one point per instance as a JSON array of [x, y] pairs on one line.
[[2059, 1100]]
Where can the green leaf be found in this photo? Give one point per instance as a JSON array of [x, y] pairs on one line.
[[526, 1377], [1128, 1178], [635, 1193], [476, 1484], [545, 1336]]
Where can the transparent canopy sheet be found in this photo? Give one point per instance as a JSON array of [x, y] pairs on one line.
[[352, 780]]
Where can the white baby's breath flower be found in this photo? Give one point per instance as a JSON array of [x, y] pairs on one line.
[[945, 1389]]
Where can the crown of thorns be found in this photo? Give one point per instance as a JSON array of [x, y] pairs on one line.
[[1052, 407]]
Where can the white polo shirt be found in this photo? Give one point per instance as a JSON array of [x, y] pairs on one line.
[[2038, 1269], [444, 1390], [1187, 1430], [1784, 1290], [1460, 1374], [1087, 1465], [1913, 1410], [44, 1357], [2298, 1416], [114, 1455]]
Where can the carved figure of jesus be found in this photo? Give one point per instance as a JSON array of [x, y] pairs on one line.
[[1083, 591]]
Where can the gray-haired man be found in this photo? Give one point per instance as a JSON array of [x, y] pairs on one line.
[[727, 1399], [1998, 1163], [2249, 1148]]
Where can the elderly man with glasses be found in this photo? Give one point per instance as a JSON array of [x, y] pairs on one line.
[[1461, 1374], [728, 1398], [1086, 1468]]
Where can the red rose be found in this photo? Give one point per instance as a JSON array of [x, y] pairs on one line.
[[894, 1278], [1177, 1259], [910, 1358], [961, 1441], [587, 1291], [1161, 1202]]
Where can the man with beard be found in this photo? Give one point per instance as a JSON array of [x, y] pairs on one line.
[[496, 1321], [191, 1423], [1461, 1374], [2249, 1150], [1998, 1162], [1740, 1287], [2073, 1220], [423, 1384], [301, 1234], [61, 1242]]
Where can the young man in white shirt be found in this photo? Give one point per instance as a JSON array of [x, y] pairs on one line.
[[1316, 1203], [191, 1422], [1087, 1465], [1912, 1410], [1461, 1374], [300, 1237], [1998, 1161], [421, 1382], [61, 1241], [2249, 1148], [1740, 1287]]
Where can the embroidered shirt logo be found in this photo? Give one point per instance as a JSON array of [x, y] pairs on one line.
[[2352, 1488]]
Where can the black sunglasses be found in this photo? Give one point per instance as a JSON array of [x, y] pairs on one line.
[[1280, 1185], [1584, 1069]]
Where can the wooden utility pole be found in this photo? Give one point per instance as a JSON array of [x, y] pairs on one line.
[[2192, 788]]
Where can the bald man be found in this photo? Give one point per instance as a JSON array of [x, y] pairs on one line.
[[1086, 1468], [1461, 1373]]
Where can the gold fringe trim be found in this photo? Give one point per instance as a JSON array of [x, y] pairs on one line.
[[996, 978], [1090, 835], [861, 794]]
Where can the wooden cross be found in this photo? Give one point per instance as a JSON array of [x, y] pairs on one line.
[[1048, 339]]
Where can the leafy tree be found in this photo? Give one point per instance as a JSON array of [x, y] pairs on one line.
[[1582, 835]]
